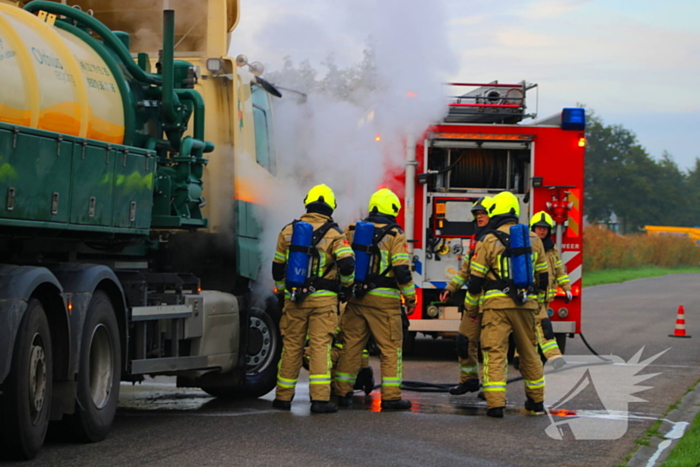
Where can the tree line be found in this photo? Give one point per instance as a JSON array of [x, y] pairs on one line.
[[622, 178]]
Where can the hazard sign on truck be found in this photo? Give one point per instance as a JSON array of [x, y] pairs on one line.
[[482, 147]]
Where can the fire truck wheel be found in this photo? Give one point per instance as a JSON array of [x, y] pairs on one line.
[[561, 341], [25, 403], [99, 372], [262, 354]]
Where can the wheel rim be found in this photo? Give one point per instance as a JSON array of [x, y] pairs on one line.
[[261, 343], [37, 378], [101, 371]]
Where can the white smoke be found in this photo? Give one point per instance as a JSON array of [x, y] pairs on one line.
[[396, 90]]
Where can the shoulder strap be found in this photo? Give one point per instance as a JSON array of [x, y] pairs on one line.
[[321, 232], [379, 235]]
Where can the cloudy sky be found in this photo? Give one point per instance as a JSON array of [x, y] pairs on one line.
[[634, 62]]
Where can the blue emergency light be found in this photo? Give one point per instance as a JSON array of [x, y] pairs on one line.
[[573, 118]]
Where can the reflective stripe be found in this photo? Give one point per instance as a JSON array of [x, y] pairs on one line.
[[347, 280], [280, 285], [479, 268], [365, 353], [469, 369], [549, 346], [457, 281], [384, 262], [495, 386], [343, 250], [399, 257], [541, 267], [391, 381], [495, 293], [535, 384], [285, 382], [563, 279], [320, 379], [408, 289], [280, 256], [384, 292], [323, 293], [469, 299], [558, 263], [346, 377]]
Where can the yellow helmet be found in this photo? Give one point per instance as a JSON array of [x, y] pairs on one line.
[[542, 219], [482, 204], [321, 194], [385, 201], [504, 202]]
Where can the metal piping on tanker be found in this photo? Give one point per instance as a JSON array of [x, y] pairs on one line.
[[168, 68], [410, 191], [107, 36]]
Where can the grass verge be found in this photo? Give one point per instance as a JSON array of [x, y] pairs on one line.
[[612, 276], [687, 451]]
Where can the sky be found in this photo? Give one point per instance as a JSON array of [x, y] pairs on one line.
[[636, 63]]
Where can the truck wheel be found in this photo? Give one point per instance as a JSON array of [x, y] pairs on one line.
[[25, 404], [99, 372], [561, 341], [262, 355]]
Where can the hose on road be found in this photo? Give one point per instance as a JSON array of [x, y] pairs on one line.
[[419, 386]]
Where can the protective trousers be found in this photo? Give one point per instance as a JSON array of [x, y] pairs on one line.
[[468, 346], [545, 335], [360, 320], [319, 324], [496, 327]]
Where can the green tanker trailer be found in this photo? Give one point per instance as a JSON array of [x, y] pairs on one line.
[[108, 230]]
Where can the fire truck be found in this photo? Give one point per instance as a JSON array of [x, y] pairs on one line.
[[482, 147]]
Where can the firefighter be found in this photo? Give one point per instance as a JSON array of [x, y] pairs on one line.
[[470, 327], [506, 308], [543, 224], [376, 307], [313, 310]]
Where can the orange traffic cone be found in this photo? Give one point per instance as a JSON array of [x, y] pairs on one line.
[[680, 324]]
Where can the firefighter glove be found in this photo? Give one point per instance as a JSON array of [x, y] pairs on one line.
[[569, 296], [445, 295]]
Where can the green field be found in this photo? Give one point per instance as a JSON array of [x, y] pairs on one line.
[[612, 276]]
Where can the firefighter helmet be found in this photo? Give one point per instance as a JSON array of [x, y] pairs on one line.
[[504, 202], [384, 201], [482, 204], [542, 219], [321, 194]]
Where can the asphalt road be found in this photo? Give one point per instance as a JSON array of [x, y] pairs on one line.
[[158, 424]]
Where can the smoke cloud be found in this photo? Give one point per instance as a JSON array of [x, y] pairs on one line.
[[370, 69]]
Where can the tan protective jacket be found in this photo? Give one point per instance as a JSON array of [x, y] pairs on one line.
[[393, 251], [486, 261], [332, 247]]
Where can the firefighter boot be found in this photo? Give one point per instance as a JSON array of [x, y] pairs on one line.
[[345, 401], [398, 404], [365, 380], [536, 408], [323, 407], [470, 385], [495, 412], [282, 405]]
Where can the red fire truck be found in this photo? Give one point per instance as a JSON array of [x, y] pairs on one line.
[[480, 148]]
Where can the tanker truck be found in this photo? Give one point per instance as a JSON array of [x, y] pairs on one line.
[[130, 148]]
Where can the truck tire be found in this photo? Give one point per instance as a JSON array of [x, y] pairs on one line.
[[25, 404], [262, 355], [99, 372]]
